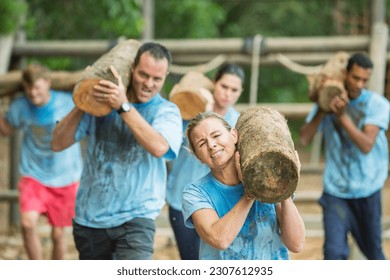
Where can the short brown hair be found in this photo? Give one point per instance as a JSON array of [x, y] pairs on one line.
[[33, 72], [197, 119], [156, 50]]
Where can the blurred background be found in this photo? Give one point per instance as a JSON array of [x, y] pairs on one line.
[[69, 35]]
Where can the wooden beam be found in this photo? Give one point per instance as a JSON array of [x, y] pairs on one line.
[[317, 44], [11, 82], [266, 60], [289, 110], [200, 46], [9, 195]]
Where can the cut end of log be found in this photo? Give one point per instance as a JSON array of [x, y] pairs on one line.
[[189, 102], [273, 177], [269, 163], [193, 94], [119, 58], [85, 101]]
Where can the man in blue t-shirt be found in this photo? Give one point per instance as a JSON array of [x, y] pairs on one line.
[[122, 187], [356, 153], [49, 180]]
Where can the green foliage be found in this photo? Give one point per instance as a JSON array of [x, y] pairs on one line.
[[89, 19], [86, 20], [277, 18], [280, 18], [277, 84], [58, 63], [10, 13], [187, 19], [179, 19]]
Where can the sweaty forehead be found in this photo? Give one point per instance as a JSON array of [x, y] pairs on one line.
[[40, 82], [207, 126], [231, 80], [356, 70], [149, 61]]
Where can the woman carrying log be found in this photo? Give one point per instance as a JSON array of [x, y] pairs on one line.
[[231, 224], [228, 85]]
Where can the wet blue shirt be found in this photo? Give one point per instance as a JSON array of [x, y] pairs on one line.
[[350, 173], [121, 180], [53, 169], [258, 239]]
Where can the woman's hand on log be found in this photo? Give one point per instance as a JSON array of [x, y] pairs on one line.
[[111, 93], [238, 165]]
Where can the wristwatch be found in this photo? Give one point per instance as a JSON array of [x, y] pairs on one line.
[[125, 107]]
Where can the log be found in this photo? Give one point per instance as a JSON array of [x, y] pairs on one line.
[[11, 82], [192, 94], [269, 163], [329, 82], [121, 58]]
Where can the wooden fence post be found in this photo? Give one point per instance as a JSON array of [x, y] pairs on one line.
[[378, 52], [255, 69]]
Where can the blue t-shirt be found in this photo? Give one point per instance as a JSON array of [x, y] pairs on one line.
[[121, 180], [53, 169], [187, 168], [350, 173], [258, 239]]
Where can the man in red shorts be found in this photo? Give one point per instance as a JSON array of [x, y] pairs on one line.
[[49, 180]]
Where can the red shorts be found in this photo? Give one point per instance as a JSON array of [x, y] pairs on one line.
[[58, 204]]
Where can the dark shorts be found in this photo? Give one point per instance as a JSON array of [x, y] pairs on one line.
[[134, 240], [359, 217]]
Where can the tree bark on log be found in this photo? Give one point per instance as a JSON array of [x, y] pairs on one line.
[[329, 82], [11, 82], [268, 160], [121, 57]]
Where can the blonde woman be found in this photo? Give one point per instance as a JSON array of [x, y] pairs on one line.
[[228, 86], [232, 225]]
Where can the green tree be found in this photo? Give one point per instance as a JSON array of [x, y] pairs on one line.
[[86, 20], [10, 13], [89, 19], [177, 19], [188, 19]]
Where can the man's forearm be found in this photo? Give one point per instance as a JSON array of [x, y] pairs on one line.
[[64, 132]]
